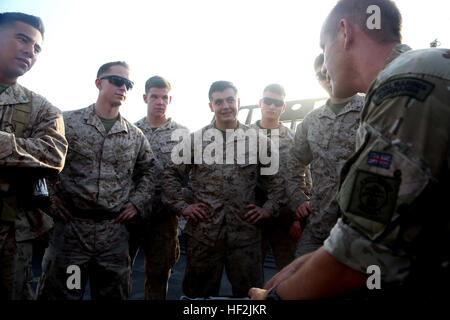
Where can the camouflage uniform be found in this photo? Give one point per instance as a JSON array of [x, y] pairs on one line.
[[325, 141], [159, 233], [39, 151], [226, 239], [103, 171], [396, 185], [275, 231]]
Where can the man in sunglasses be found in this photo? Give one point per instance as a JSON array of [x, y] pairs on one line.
[[324, 140], [32, 146], [158, 234], [276, 232], [105, 183]]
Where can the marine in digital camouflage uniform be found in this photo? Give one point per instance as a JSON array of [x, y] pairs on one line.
[[277, 233], [32, 146], [158, 235], [222, 224], [105, 183], [324, 140], [394, 190]]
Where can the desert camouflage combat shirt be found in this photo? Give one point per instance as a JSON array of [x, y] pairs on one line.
[[162, 144], [226, 188], [394, 198], [40, 152], [324, 140], [103, 170], [286, 141]]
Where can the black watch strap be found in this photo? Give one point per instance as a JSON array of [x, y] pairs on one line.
[[272, 295]]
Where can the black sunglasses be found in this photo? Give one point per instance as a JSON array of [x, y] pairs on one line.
[[270, 101], [119, 81], [321, 76]]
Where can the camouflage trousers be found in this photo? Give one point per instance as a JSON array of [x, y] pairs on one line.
[[275, 235], [15, 265], [204, 267], [158, 238], [98, 249]]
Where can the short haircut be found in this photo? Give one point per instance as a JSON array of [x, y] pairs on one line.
[[275, 88], [157, 82], [355, 11], [318, 62], [221, 86], [8, 18], [105, 68]]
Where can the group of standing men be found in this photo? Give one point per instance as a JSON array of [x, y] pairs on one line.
[[115, 187]]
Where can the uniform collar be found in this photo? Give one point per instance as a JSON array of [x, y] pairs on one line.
[[239, 126], [14, 94], [145, 126], [281, 129], [396, 51], [92, 119], [352, 105]]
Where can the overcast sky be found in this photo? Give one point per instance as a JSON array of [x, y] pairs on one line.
[[192, 44]]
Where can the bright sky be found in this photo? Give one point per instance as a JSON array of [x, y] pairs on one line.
[[192, 44]]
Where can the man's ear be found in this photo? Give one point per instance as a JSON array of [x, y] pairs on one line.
[[346, 31], [98, 84], [170, 99], [211, 107], [145, 97], [239, 103], [260, 103], [283, 108]]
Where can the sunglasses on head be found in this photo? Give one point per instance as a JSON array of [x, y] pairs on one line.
[[119, 81], [270, 101], [321, 76]]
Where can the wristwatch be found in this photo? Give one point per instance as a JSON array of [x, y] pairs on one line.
[[273, 295]]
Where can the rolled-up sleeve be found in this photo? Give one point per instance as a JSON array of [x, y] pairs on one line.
[[358, 252]]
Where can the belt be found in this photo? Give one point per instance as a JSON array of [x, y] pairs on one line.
[[93, 214]]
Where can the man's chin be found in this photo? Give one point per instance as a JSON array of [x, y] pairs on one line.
[[116, 104], [228, 122], [18, 72], [342, 93]]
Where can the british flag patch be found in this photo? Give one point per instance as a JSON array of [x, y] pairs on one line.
[[378, 159]]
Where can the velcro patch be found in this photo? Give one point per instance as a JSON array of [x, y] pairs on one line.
[[374, 196], [416, 88], [378, 159]]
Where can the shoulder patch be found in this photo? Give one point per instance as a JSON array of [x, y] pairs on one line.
[[374, 196], [378, 159], [413, 87]]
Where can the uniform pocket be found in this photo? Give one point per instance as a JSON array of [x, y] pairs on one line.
[[81, 149]]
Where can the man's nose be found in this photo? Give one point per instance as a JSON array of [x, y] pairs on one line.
[[29, 50], [123, 87], [324, 70]]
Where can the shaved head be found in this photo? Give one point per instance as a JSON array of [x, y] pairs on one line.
[[355, 12]]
